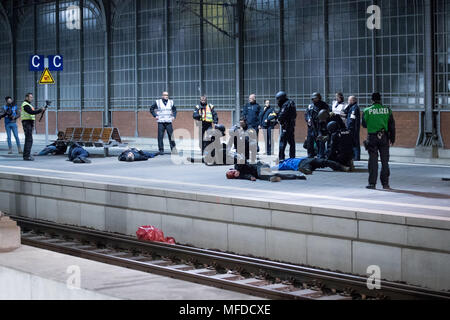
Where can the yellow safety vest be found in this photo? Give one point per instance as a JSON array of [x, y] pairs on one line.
[[25, 115], [206, 114]]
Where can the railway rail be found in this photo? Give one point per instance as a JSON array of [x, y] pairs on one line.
[[257, 277]]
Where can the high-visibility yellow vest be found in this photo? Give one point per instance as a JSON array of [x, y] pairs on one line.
[[25, 115], [206, 113]]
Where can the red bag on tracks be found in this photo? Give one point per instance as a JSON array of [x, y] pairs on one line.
[[151, 233]]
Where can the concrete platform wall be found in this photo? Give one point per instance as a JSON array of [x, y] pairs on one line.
[[411, 249]]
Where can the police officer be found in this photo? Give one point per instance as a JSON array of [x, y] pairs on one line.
[[268, 121], [165, 112], [311, 118], [28, 119], [287, 119], [380, 124], [340, 146], [205, 113], [354, 125]]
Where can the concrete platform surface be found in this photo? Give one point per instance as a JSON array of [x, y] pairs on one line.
[[418, 190], [31, 273]]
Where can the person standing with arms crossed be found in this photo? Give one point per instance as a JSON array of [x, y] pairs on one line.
[[165, 112], [28, 120], [380, 124], [207, 115]]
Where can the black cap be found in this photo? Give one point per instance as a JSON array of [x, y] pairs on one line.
[[376, 96]]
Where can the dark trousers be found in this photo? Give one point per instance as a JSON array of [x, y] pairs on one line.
[[378, 145], [310, 143], [28, 126], [162, 128], [205, 127], [287, 136], [357, 153], [313, 164], [321, 149], [268, 135]]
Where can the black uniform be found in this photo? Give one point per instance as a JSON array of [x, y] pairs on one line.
[[287, 119], [263, 171], [268, 121], [314, 129], [340, 148]]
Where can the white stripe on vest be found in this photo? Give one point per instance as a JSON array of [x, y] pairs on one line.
[[165, 111]]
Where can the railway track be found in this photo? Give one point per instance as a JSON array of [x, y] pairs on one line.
[[257, 277]]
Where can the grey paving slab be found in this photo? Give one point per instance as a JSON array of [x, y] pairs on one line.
[[99, 278]]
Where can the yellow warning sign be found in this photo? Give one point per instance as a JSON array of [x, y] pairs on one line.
[[46, 77]]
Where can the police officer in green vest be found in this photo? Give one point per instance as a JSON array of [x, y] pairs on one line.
[[28, 118], [380, 124]]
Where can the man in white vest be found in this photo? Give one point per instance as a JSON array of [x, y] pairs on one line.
[[165, 113], [339, 106]]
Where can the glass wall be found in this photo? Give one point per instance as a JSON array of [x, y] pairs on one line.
[[400, 54], [25, 80], [261, 45], [5, 59], [442, 47], [327, 46], [349, 50], [304, 51], [123, 95]]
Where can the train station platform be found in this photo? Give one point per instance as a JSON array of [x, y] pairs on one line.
[[35, 274], [329, 221]]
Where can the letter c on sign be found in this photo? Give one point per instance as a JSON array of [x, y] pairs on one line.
[[57, 64], [34, 63]]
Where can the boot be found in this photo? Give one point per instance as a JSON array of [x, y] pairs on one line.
[[10, 151], [19, 148]]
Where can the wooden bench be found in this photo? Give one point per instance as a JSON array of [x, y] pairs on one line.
[[105, 138]]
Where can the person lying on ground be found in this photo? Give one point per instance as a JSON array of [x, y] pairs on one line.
[[134, 154], [59, 147], [260, 171], [77, 154], [309, 165]]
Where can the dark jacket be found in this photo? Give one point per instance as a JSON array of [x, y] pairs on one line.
[[312, 113], [77, 151], [139, 155], [340, 148], [11, 113], [268, 118], [61, 147], [354, 122], [252, 113], [288, 115]]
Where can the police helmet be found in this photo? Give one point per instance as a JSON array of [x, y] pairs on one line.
[[316, 95], [332, 127], [323, 115], [221, 128], [281, 96]]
